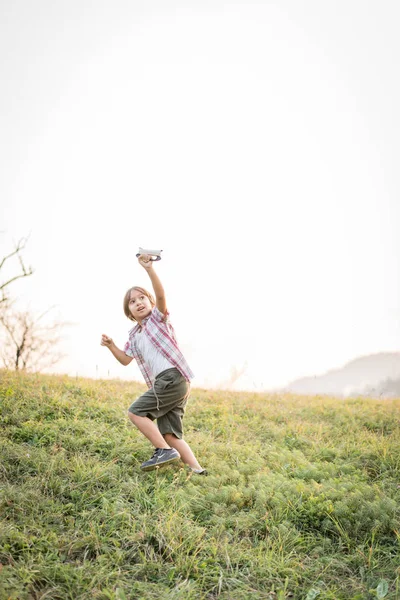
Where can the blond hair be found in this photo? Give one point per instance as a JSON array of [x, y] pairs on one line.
[[128, 297]]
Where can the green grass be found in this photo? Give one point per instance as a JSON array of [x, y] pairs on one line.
[[302, 500]]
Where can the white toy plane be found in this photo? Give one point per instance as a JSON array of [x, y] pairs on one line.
[[156, 253]]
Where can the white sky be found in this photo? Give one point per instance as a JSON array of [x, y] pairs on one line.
[[257, 143]]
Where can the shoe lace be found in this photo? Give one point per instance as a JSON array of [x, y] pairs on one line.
[[156, 452]]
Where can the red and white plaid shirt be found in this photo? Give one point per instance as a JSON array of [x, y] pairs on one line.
[[162, 335]]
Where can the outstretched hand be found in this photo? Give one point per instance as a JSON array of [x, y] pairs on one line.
[[145, 261], [106, 341]]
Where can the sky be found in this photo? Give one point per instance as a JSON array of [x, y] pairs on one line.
[[256, 143]]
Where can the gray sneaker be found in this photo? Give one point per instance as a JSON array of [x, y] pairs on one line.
[[161, 456]]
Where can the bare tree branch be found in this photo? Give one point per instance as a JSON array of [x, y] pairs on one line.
[[20, 246], [25, 274], [24, 271]]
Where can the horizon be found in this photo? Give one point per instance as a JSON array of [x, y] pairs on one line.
[[314, 382]]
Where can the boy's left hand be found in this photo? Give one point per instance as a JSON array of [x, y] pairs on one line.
[[145, 261]]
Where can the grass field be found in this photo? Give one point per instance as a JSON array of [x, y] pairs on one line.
[[302, 498]]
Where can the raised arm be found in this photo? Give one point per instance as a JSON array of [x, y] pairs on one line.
[[159, 293]]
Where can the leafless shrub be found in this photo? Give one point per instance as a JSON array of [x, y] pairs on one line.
[[29, 342]]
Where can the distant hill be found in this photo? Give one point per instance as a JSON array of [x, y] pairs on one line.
[[374, 375]]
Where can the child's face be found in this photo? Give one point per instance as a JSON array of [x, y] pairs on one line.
[[139, 305]]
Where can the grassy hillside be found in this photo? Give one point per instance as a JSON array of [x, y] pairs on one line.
[[302, 500]]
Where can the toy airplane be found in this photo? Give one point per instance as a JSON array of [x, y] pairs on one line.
[[156, 253]]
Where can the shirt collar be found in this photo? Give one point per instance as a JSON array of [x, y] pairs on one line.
[[136, 328]]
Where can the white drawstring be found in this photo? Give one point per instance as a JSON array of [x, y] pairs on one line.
[[155, 393]]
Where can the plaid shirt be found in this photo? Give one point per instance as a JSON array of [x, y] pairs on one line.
[[162, 335]]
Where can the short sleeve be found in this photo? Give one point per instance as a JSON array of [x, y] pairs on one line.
[[158, 316], [128, 349]]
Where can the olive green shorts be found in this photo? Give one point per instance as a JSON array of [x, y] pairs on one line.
[[165, 401]]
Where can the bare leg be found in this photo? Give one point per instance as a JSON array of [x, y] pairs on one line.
[[149, 429], [184, 450]]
